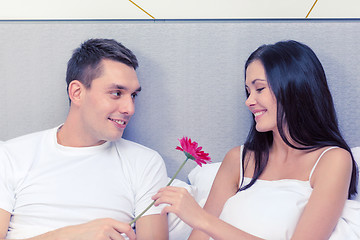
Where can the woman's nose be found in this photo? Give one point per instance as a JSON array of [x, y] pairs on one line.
[[250, 101]]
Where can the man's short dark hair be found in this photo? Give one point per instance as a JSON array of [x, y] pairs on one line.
[[85, 63]]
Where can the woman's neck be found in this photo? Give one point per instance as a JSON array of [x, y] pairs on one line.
[[280, 149]]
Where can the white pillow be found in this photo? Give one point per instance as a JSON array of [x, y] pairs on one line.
[[178, 230], [202, 178]]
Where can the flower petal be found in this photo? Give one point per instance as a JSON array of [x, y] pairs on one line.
[[193, 151]]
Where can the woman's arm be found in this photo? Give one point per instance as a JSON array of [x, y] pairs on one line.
[[225, 185], [330, 183], [205, 222]]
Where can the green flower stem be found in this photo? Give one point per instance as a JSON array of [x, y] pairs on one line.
[[135, 219], [177, 172], [172, 179]]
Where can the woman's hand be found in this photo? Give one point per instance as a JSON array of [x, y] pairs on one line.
[[180, 203]]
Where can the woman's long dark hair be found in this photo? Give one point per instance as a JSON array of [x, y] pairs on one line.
[[304, 104]]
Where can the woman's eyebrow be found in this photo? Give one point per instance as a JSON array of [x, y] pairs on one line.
[[257, 79], [254, 81]]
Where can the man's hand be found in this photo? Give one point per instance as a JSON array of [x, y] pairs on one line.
[[99, 229]]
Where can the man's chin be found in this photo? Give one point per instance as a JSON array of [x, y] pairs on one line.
[[114, 138]]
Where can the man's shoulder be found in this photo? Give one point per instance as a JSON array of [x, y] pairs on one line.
[[20, 152], [141, 162], [27, 140], [124, 143], [130, 148]]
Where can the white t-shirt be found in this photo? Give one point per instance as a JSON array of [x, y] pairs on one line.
[[46, 186]]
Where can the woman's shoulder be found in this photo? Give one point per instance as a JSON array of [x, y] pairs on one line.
[[231, 161], [333, 162], [335, 156], [232, 158], [234, 152]]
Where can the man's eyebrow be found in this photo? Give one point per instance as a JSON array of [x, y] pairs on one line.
[[120, 87]]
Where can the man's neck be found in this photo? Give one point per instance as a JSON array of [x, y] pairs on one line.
[[70, 136]]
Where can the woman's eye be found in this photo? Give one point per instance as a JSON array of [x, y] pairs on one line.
[[260, 89]]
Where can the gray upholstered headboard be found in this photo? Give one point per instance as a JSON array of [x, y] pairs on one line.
[[191, 73]]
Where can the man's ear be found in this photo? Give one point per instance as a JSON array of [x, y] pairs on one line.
[[76, 91]]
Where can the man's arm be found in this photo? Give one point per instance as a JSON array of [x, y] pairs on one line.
[[151, 175], [98, 229], [4, 223], [152, 227]]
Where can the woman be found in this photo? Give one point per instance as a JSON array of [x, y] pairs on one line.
[[295, 172]]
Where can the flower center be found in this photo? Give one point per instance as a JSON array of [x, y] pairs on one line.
[[188, 155]]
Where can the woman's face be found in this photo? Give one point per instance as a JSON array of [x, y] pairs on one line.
[[261, 100]]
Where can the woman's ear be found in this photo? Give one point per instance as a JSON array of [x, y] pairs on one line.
[[75, 91]]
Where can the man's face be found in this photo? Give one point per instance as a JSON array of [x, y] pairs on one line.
[[108, 104]]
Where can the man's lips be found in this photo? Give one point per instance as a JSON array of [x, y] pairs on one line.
[[118, 121]]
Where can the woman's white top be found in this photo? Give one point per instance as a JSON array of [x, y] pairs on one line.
[[271, 209]]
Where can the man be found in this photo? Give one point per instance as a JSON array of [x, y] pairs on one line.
[[81, 180]]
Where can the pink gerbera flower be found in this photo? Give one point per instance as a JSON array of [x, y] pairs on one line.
[[192, 151]]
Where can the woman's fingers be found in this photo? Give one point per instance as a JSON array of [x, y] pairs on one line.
[[169, 195]]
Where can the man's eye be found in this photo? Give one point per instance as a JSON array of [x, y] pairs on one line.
[[134, 95], [116, 94]]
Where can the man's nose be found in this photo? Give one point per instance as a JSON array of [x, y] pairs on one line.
[[127, 105]]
